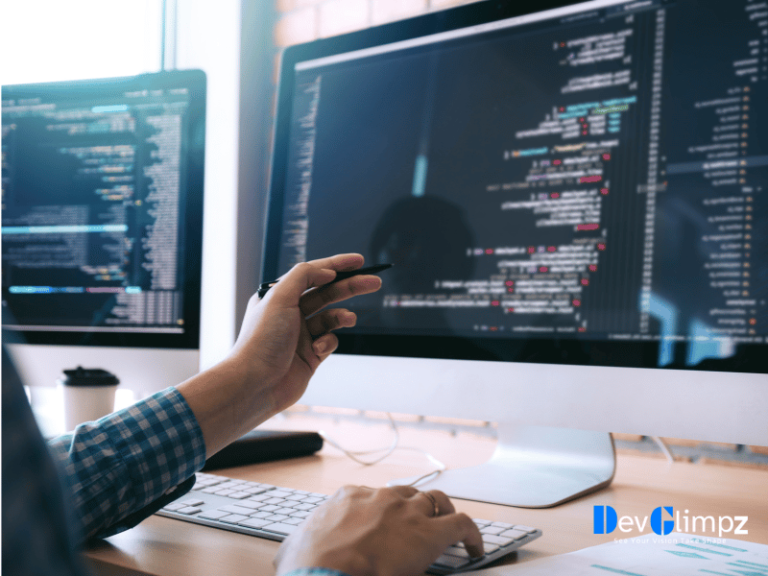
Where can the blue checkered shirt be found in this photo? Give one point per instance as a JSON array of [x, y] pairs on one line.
[[103, 478], [128, 465]]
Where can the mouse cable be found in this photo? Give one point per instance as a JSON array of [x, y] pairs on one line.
[[664, 449], [353, 454]]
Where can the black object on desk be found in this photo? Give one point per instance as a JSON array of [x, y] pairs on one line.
[[264, 446]]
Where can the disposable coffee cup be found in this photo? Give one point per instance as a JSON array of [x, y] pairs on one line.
[[89, 394]]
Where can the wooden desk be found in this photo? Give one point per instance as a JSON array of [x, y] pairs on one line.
[[167, 547]]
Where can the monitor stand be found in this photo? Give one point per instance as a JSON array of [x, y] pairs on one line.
[[532, 467]]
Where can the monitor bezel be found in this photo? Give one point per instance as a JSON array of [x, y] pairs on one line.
[[195, 82], [536, 350]]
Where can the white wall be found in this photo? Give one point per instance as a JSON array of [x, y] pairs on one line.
[[208, 38]]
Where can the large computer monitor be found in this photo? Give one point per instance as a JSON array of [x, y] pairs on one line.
[[102, 186], [575, 199]]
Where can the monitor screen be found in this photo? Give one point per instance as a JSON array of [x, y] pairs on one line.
[[585, 185], [102, 186]]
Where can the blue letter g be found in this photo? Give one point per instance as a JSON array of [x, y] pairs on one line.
[[656, 524]]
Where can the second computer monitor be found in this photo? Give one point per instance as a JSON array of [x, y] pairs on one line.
[[102, 225], [574, 201]]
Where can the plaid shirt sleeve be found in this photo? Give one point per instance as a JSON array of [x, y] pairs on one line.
[[126, 466]]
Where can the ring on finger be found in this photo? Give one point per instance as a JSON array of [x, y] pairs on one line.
[[435, 507]]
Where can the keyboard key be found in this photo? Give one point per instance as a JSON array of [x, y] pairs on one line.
[[280, 493], [304, 492], [489, 539], [502, 524], [213, 514], [233, 518], [224, 492], [300, 514], [312, 500], [277, 501], [286, 511], [514, 534], [305, 507], [211, 490], [261, 514], [526, 528], [174, 507], [277, 517], [250, 505], [280, 528], [269, 508], [254, 523], [255, 490], [258, 498], [490, 548], [456, 551], [481, 522], [491, 530], [294, 521], [451, 561], [234, 509], [188, 510], [296, 497], [239, 495]]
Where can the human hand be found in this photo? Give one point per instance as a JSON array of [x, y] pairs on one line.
[[287, 334], [385, 532], [284, 338]]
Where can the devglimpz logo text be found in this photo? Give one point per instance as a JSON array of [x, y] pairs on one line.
[[663, 520]]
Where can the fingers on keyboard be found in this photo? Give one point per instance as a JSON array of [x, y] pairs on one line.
[[273, 512]]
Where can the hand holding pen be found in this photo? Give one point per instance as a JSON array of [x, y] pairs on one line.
[[286, 335], [265, 286], [283, 339]]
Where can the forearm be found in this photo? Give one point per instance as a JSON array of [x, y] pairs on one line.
[[228, 401]]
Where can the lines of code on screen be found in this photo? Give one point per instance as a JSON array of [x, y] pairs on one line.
[[592, 176], [92, 211]]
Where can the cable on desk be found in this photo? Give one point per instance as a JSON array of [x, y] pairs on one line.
[[664, 448], [353, 454]]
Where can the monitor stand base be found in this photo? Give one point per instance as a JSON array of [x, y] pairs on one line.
[[532, 467]]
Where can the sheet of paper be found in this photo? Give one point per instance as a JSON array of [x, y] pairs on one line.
[[651, 555]]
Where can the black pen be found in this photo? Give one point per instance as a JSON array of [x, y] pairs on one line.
[[265, 286]]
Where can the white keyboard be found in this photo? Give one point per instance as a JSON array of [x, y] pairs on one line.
[[272, 512]]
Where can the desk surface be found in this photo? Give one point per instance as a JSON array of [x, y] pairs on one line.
[[167, 547]]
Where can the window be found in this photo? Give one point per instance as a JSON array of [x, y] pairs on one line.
[[51, 40]]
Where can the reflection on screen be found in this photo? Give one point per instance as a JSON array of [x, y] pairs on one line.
[[599, 177]]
